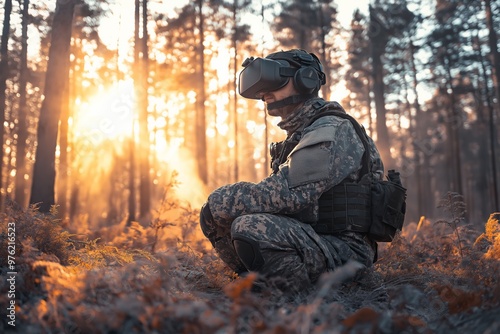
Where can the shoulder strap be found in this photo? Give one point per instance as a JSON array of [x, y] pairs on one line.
[[365, 168]]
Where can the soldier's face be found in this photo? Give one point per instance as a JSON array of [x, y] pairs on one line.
[[278, 95]]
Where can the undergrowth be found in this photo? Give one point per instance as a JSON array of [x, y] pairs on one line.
[[163, 277]]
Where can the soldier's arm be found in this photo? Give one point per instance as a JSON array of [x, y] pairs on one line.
[[322, 159]]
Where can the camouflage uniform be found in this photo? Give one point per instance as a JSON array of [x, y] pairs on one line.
[[275, 214]]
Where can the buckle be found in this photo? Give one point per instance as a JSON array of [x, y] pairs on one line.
[[319, 104], [304, 58]]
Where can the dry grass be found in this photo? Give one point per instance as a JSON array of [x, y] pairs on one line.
[[163, 278]]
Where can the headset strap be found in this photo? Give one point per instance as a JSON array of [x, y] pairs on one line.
[[294, 99]]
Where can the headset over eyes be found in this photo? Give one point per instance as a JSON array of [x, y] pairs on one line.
[[262, 75]]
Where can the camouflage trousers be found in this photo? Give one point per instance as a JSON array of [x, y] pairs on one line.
[[293, 254]]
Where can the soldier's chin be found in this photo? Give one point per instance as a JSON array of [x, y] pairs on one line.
[[274, 112]]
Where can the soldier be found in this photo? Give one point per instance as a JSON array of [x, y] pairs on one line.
[[282, 226]]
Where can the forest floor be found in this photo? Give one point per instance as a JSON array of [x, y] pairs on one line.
[[435, 277]]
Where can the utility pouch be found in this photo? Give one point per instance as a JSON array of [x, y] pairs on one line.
[[375, 208], [345, 207], [388, 208]]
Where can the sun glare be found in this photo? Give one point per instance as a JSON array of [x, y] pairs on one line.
[[107, 115]]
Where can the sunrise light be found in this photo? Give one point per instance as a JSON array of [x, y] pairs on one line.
[[106, 115]]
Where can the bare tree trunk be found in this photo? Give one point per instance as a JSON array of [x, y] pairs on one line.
[[62, 184], [266, 130], [62, 187], [378, 42], [74, 87], [22, 130], [4, 74], [369, 104], [235, 100], [423, 181], [42, 190], [492, 42], [325, 89], [201, 144], [486, 124], [144, 166], [131, 179], [383, 142], [453, 125]]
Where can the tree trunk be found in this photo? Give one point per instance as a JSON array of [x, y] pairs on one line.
[[383, 142], [266, 130], [62, 180], [131, 179], [42, 190], [486, 124], [325, 89], [201, 144], [378, 42], [453, 123], [144, 186], [4, 74], [22, 130], [492, 42], [423, 180], [74, 87], [235, 100]]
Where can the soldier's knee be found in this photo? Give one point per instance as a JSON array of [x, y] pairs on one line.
[[248, 251], [207, 222]]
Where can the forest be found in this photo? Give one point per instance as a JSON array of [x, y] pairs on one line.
[[120, 117]]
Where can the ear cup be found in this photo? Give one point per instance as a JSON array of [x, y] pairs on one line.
[[306, 80]]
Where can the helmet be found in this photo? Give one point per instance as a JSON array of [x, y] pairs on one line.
[[261, 75]]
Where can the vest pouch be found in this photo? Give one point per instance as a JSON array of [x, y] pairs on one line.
[[345, 207], [388, 210]]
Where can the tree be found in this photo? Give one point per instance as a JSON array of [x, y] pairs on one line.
[[388, 19], [309, 25], [42, 191], [144, 166], [460, 73], [446, 41], [4, 74], [200, 125], [22, 130], [493, 42], [234, 41], [136, 73], [357, 76], [401, 99], [239, 33], [379, 36]]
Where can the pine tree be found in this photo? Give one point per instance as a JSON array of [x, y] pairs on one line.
[[42, 191], [4, 73]]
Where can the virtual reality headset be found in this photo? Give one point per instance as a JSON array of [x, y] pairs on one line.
[[261, 75]]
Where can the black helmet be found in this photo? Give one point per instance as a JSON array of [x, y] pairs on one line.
[[261, 75]]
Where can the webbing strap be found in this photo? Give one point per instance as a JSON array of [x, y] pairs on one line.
[[347, 206], [294, 99], [366, 160]]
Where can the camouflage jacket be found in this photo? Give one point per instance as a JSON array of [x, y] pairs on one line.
[[328, 152]]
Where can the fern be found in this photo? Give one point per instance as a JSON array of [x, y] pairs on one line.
[[454, 204]]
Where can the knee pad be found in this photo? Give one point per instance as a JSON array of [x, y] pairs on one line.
[[248, 251]]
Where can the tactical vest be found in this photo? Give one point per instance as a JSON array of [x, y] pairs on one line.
[[371, 206]]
